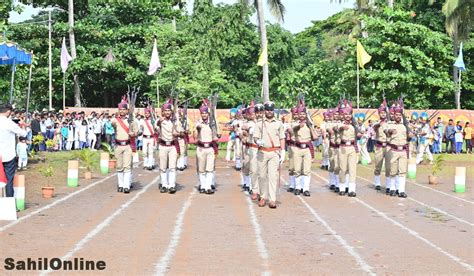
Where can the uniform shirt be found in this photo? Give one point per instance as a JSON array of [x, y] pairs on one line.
[[166, 130], [205, 135], [328, 126], [146, 126], [8, 132], [302, 135], [121, 133], [251, 130], [399, 138], [346, 135], [380, 134], [271, 133]]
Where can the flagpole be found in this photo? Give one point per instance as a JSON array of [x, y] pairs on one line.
[[64, 91], [157, 92], [459, 82], [358, 86], [29, 85]]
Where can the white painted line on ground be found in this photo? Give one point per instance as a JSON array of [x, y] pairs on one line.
[[46, 207], [411, 232], [363, 264], [437, 191], [162, 266], [262, 248], [104, 223], [429, 206]]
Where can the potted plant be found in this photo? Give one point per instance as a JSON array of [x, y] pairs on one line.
[[50, 144], [436, 168], [112, 161], [88, 160], [38, 140], [47, 191]]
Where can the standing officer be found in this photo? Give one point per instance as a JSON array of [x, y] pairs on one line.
[[231, 142], [290, 143], [148, 128], [304, 134], [325, 142], [183, 140], [253, 150], [206, 141], [270, 139], [168, 148], [123, 132], [397, 141], [347, 151], [381, 151], [246, 142]]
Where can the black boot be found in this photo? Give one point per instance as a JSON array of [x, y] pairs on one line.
[[291, 190], [120, 189], [393, 193], [387, 191], [126, 190], [336, 190], [172, 190], [306, 193], [297, 192], [332, 187], [377, 187], [403, 195], [163, 190], [352, 194]]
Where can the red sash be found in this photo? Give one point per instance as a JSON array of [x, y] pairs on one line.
[[155, 137], [133, 144]]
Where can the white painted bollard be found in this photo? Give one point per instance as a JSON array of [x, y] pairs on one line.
[[104, 163], [460, 180], [72, 173], [136, 158], [412, 168]]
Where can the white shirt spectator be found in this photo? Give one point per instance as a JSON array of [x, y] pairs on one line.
[[8, 132], [43, 126]]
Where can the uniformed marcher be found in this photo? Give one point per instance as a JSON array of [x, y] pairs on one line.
[[246, 144], [304, 134], [414, 127], [123, 151], [237, 127], [397, 141], [290, 143], [168, 148], [333, 150], [253, 151], [205, 152], [347, 151], [148, 129], [381, 151], [325, 141], [183, 141], [270, 138]]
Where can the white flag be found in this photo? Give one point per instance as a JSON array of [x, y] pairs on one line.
[[65, 57], [155, 61]]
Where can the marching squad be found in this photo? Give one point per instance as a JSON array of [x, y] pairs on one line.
[[262, 137]]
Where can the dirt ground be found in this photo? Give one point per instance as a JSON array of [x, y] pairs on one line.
[[146, 232]]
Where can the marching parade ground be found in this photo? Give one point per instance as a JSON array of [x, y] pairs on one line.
[[146, 232]]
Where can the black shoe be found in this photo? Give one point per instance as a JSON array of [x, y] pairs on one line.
[[393, 193], [404, 195], [159, 186], [322, 167], [327, 167], [126, 190], [213, 187], [341, 193], [352, 194], [291, 190], [347, 190], [120, 190], [306, 193], [246, 189], [202, 191], [336, 190], [172, 190], [377, 187], [332, 187], [163, 190], [387, 191], [145, 168], [150, 168], [210, 191], [238, 169], [297, 192]]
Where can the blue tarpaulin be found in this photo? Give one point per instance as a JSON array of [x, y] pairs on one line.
[[11, 54]]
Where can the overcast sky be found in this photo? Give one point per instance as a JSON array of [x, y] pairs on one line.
[[299, 13]]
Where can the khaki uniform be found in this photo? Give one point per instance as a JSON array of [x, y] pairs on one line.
[[252, 156], [238, 146], [290, 148], [333, 154], [183, 153], [168, 152], [347, 157], [246, 142], [398, 156], [205, 161], [148, 130], [325, 144], [123, 151], [381, 155], [302, 156], [271, 134]]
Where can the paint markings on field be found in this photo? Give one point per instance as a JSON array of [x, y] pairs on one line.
[[362, 263], [437, 191], [262, 248], [411, 232], [429, 206], [46, 207], [162, 266], [104, 224]]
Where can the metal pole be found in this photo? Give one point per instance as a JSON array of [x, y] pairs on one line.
[[50, 64], [157, 92], [459, 94], [29, 85], [358, 86], [64, 91], [12, 81]]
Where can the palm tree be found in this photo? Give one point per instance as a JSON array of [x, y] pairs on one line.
[[72, 41], [277, 9]]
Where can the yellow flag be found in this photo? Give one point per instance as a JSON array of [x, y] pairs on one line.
[[362, 56], [263, 59]]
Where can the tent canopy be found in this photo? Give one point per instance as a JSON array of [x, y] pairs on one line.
[[10, 54]]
